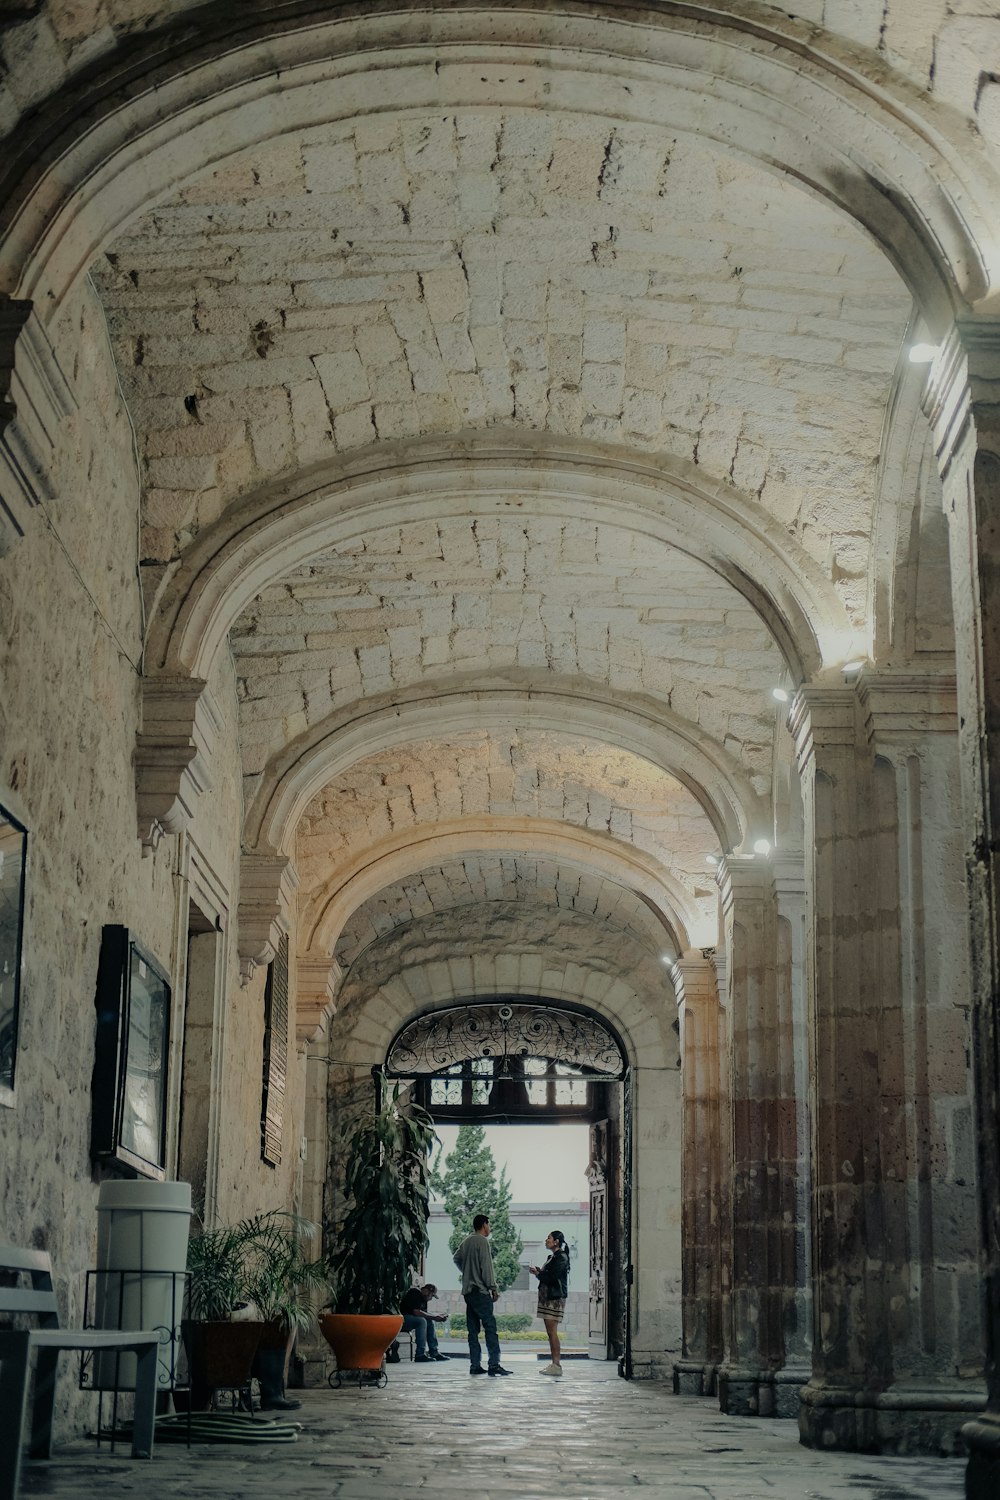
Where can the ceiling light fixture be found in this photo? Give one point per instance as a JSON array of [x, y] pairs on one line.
[[923, 354]]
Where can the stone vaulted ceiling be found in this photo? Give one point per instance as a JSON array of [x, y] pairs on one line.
[[428, 274]]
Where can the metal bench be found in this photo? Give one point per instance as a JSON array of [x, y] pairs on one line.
[[16, 1347]]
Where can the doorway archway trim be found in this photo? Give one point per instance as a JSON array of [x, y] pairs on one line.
[[502, 1029]]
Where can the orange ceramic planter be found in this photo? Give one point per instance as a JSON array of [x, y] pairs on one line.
[[359, 1340]]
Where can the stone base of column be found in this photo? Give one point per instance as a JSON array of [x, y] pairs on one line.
[[692, 1378], [787, 1388], [903, 1420], [739, 1391], [762, 1393], [982, 1439]]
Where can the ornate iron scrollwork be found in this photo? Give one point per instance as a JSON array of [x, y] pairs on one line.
[[443, 1040]]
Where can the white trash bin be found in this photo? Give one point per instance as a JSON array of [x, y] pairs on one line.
[[142, 1240]]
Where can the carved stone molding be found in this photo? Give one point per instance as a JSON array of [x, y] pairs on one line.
[[317, 981], [901, 707], [268, 883], [180, 725], [34, 398]]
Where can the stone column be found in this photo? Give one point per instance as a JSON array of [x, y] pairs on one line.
[[927, 1106], [963, 404], [701, 1249], [791, 1150], [753, 1340], [851, 1348]]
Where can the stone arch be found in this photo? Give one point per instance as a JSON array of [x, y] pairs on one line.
[[375, 1017], [788, 96], [258, 542], [394, 859], [731, 805], [381, 995]]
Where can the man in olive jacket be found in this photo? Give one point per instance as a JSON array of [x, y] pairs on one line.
[[474, 1259]]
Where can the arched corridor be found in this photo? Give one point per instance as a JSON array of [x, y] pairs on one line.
[[497, 507]]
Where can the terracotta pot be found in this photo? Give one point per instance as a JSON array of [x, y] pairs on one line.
[[359, 1340], [219, 1356]]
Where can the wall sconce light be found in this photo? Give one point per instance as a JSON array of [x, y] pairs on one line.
[[922, 354]]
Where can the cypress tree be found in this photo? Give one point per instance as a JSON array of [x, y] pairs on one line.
[[469, 1185]]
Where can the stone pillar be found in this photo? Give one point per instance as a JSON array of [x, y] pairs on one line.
[[754, 1348], [927, 1105], [851, 1348], [701, 1248], [893, 1360], [963, 404], [791, 1150]]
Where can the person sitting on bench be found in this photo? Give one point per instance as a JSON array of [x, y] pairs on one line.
[[416, 1319]]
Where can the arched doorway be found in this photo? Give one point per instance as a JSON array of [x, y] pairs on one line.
[[508, 1061]]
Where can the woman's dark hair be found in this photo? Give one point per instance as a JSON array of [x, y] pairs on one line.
[[560, 1238]]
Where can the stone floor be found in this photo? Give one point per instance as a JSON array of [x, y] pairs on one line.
[[435, 1431]]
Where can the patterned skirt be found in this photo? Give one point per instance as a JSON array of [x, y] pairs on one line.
[[550, 1307]]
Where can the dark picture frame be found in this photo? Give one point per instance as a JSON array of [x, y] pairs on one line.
[[13, 868], [129, 1121]]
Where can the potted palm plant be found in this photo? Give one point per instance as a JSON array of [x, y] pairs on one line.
[[248, 1283], [381, 1240], [282, 1286]]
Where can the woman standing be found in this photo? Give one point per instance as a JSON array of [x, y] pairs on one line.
[[552, 1289]]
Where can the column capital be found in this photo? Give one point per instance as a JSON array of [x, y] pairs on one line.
[[696, 977], [823, 717], [743, 877], [268, 883], [965, 377], [180, 725], [317, 981], [899, 706], [789, 872]]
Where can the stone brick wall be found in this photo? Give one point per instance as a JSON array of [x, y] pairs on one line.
[[68, 718], [69, 713]]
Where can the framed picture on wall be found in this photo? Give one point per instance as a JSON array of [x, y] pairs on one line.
[[13, 852], [130, 1062]]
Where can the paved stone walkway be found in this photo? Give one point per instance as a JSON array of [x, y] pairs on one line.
[[434, 1431]]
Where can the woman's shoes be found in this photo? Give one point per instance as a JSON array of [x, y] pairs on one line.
[[551, 1370]]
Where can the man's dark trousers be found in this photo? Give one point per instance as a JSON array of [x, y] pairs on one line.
[[479, 1309]]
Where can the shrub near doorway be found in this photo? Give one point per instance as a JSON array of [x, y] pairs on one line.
[[383, 1236]]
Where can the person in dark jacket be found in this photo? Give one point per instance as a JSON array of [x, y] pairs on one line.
[[418, 1320], [553, 1280]]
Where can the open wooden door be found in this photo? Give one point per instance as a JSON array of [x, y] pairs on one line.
[[598, 1177]]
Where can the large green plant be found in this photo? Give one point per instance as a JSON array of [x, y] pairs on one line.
[[383, 1235], [258, 1261]]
